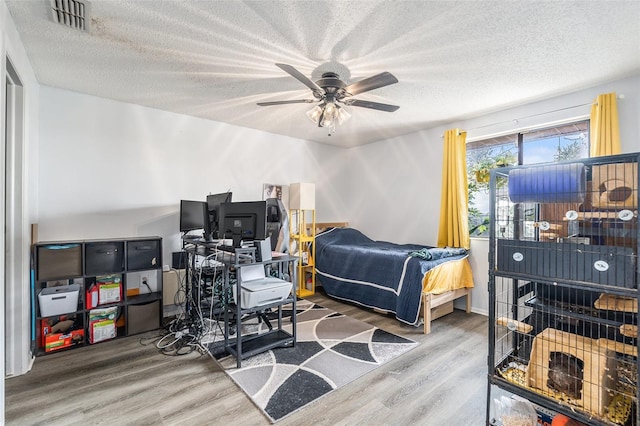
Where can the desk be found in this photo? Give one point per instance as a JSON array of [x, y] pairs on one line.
[[245, 346]]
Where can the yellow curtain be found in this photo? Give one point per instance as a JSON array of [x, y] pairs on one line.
[[605, 132], [454, 225]]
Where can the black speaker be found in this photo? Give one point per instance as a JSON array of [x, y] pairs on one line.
[[179, 260]]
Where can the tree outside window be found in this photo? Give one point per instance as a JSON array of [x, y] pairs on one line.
[[560, 143]]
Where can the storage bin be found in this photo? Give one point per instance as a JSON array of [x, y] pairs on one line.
[[143, 255], [104, 257], [58, 300], [143, 317], [59, 261]]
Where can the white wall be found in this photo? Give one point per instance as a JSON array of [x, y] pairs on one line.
[[117, 170], [15, 356], [395, 184], [395, 188]]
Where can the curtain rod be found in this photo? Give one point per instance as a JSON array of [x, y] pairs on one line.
[[517, 120]]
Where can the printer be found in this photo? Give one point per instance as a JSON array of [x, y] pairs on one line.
[[256, 289]]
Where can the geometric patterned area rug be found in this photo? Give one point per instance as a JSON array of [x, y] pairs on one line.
[[331, 350]]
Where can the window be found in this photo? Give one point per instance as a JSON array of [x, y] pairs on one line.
[[560, 143]]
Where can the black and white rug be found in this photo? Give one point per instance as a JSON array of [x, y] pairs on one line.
[[331, 350]]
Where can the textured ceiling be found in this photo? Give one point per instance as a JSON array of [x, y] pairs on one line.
[[216, 59]]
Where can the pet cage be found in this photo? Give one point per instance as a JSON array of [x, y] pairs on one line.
[[563, 287]]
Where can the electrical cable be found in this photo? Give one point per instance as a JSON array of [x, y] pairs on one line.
[[194, 328], [187, 331]]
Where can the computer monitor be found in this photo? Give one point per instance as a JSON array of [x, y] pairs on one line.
[[243, 222], [213, 203], [193, 215]]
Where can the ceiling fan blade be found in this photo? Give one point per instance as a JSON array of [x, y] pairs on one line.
[[372, 105], [374, 82], [298, 101], [300, 77]]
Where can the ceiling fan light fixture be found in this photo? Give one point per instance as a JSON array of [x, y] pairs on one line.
[[330, 91], [343, 115], [328, 114], [315, 113]]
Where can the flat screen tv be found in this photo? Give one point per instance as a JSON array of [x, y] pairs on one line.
[[243, 222]]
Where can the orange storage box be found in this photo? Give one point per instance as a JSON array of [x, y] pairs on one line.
[[57, 341]]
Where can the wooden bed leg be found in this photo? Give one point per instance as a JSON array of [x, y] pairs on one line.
[[426, 306], [434, 306]]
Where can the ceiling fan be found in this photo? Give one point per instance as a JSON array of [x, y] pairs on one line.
[[330, 92]]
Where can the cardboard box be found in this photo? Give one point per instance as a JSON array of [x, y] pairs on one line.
[[56, 325], [57, 341], [171, 282]]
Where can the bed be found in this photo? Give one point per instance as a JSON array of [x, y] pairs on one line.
[[392, 278]]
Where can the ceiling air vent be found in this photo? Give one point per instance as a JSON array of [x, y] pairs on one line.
[[71, 13]]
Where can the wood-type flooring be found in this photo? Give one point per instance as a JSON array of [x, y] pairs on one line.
[[124, 382]]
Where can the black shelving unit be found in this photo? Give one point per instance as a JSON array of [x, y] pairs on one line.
[[74, 279], [232, 312], [563, 288], [245, 346]]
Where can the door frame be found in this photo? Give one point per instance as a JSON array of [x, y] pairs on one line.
[[18, 328]]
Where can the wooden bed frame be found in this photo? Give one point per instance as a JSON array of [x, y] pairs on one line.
[[434, 306]]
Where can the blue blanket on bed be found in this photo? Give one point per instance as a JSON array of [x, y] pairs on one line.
[[376, 274]]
